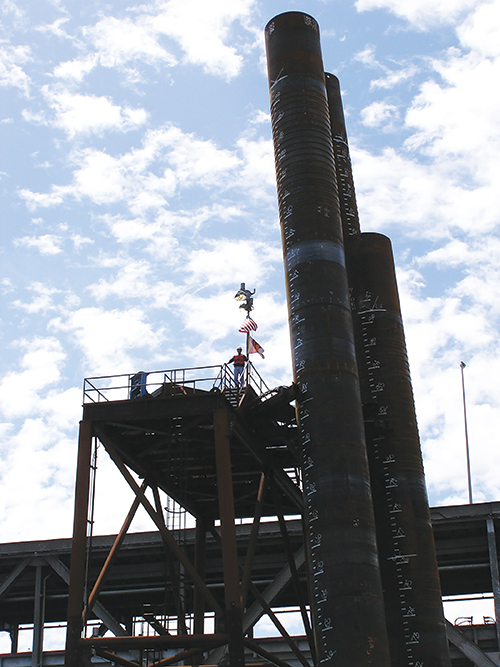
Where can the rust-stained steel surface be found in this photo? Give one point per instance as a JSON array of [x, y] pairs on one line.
[[347, 604], [169, 439], [412, 595], [412, 592], [209, 451], [138, 577]]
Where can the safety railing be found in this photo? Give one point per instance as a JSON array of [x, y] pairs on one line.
[[185, 380]]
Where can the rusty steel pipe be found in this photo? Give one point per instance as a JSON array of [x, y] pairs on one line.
[[412, 591], [345, 181], [347, 603], [412, 594]]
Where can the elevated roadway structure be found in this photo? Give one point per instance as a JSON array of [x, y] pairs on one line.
[[227, 458]]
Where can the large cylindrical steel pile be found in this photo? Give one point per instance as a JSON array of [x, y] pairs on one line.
[[347, 600], [410, 578], [412, 591]]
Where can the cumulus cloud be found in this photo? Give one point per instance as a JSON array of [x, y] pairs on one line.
[[42, 300], [201, 31], [224, 259], [182, 160], [11, 72], [441, 332], [422, 14], [75, 70], [451, 152], [441, 186], [107, 337], [40, 369], [119, 40], [79, 114], [47, 244], [379, 113]]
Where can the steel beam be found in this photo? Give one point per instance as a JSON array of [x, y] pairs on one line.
[[232, 593], [14, 575], [78, 547], [468, 648], [111, 556], [37, 648], [99, 610], [495, 579], [252, 543], [200, 566]]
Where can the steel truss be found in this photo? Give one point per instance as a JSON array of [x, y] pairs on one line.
[[220, 463]]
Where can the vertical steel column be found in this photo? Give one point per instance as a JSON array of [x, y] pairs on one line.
[[345, 181], [37, 649], [412, 592], [200, 564], [233, 617], [14, 638], [78, 546], [347, 604], [495, 578]]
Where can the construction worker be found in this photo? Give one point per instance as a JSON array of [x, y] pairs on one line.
[[238, 360]]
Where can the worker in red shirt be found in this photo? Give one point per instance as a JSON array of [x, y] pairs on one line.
[[238, 360]]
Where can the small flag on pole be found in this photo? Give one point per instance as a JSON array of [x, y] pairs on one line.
[[255, 347], [248, 325]]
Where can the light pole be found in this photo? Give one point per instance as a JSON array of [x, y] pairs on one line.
[[469, 481]]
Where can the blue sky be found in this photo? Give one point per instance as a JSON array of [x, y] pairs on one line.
[[138, 191]]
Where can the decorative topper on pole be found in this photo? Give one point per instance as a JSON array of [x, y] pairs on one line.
[[245, 295]]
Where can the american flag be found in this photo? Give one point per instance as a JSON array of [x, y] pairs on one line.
[[248, 325]]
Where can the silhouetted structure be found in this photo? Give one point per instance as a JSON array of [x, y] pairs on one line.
[[347, 461], [331, 269]]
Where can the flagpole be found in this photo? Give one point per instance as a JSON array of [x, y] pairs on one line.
[[469, 480], [247, 356]]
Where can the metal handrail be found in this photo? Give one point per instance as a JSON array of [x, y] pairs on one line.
[[118, 387]]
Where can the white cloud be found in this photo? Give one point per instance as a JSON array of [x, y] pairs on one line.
[[75, 70], [47, 244], [460, 324], [55, 28], [20, 390], [444, 114], [107, 337], [224, 260], [36, 200], [202, 29], [481, 30], [258, 176], [393, 78], [421, 14], [41, 302], [132, 177], [132, 282], [120, 40], [11, 72], [448, 177], [81, 241], [379, 113], [79, 114], [37, 480]]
